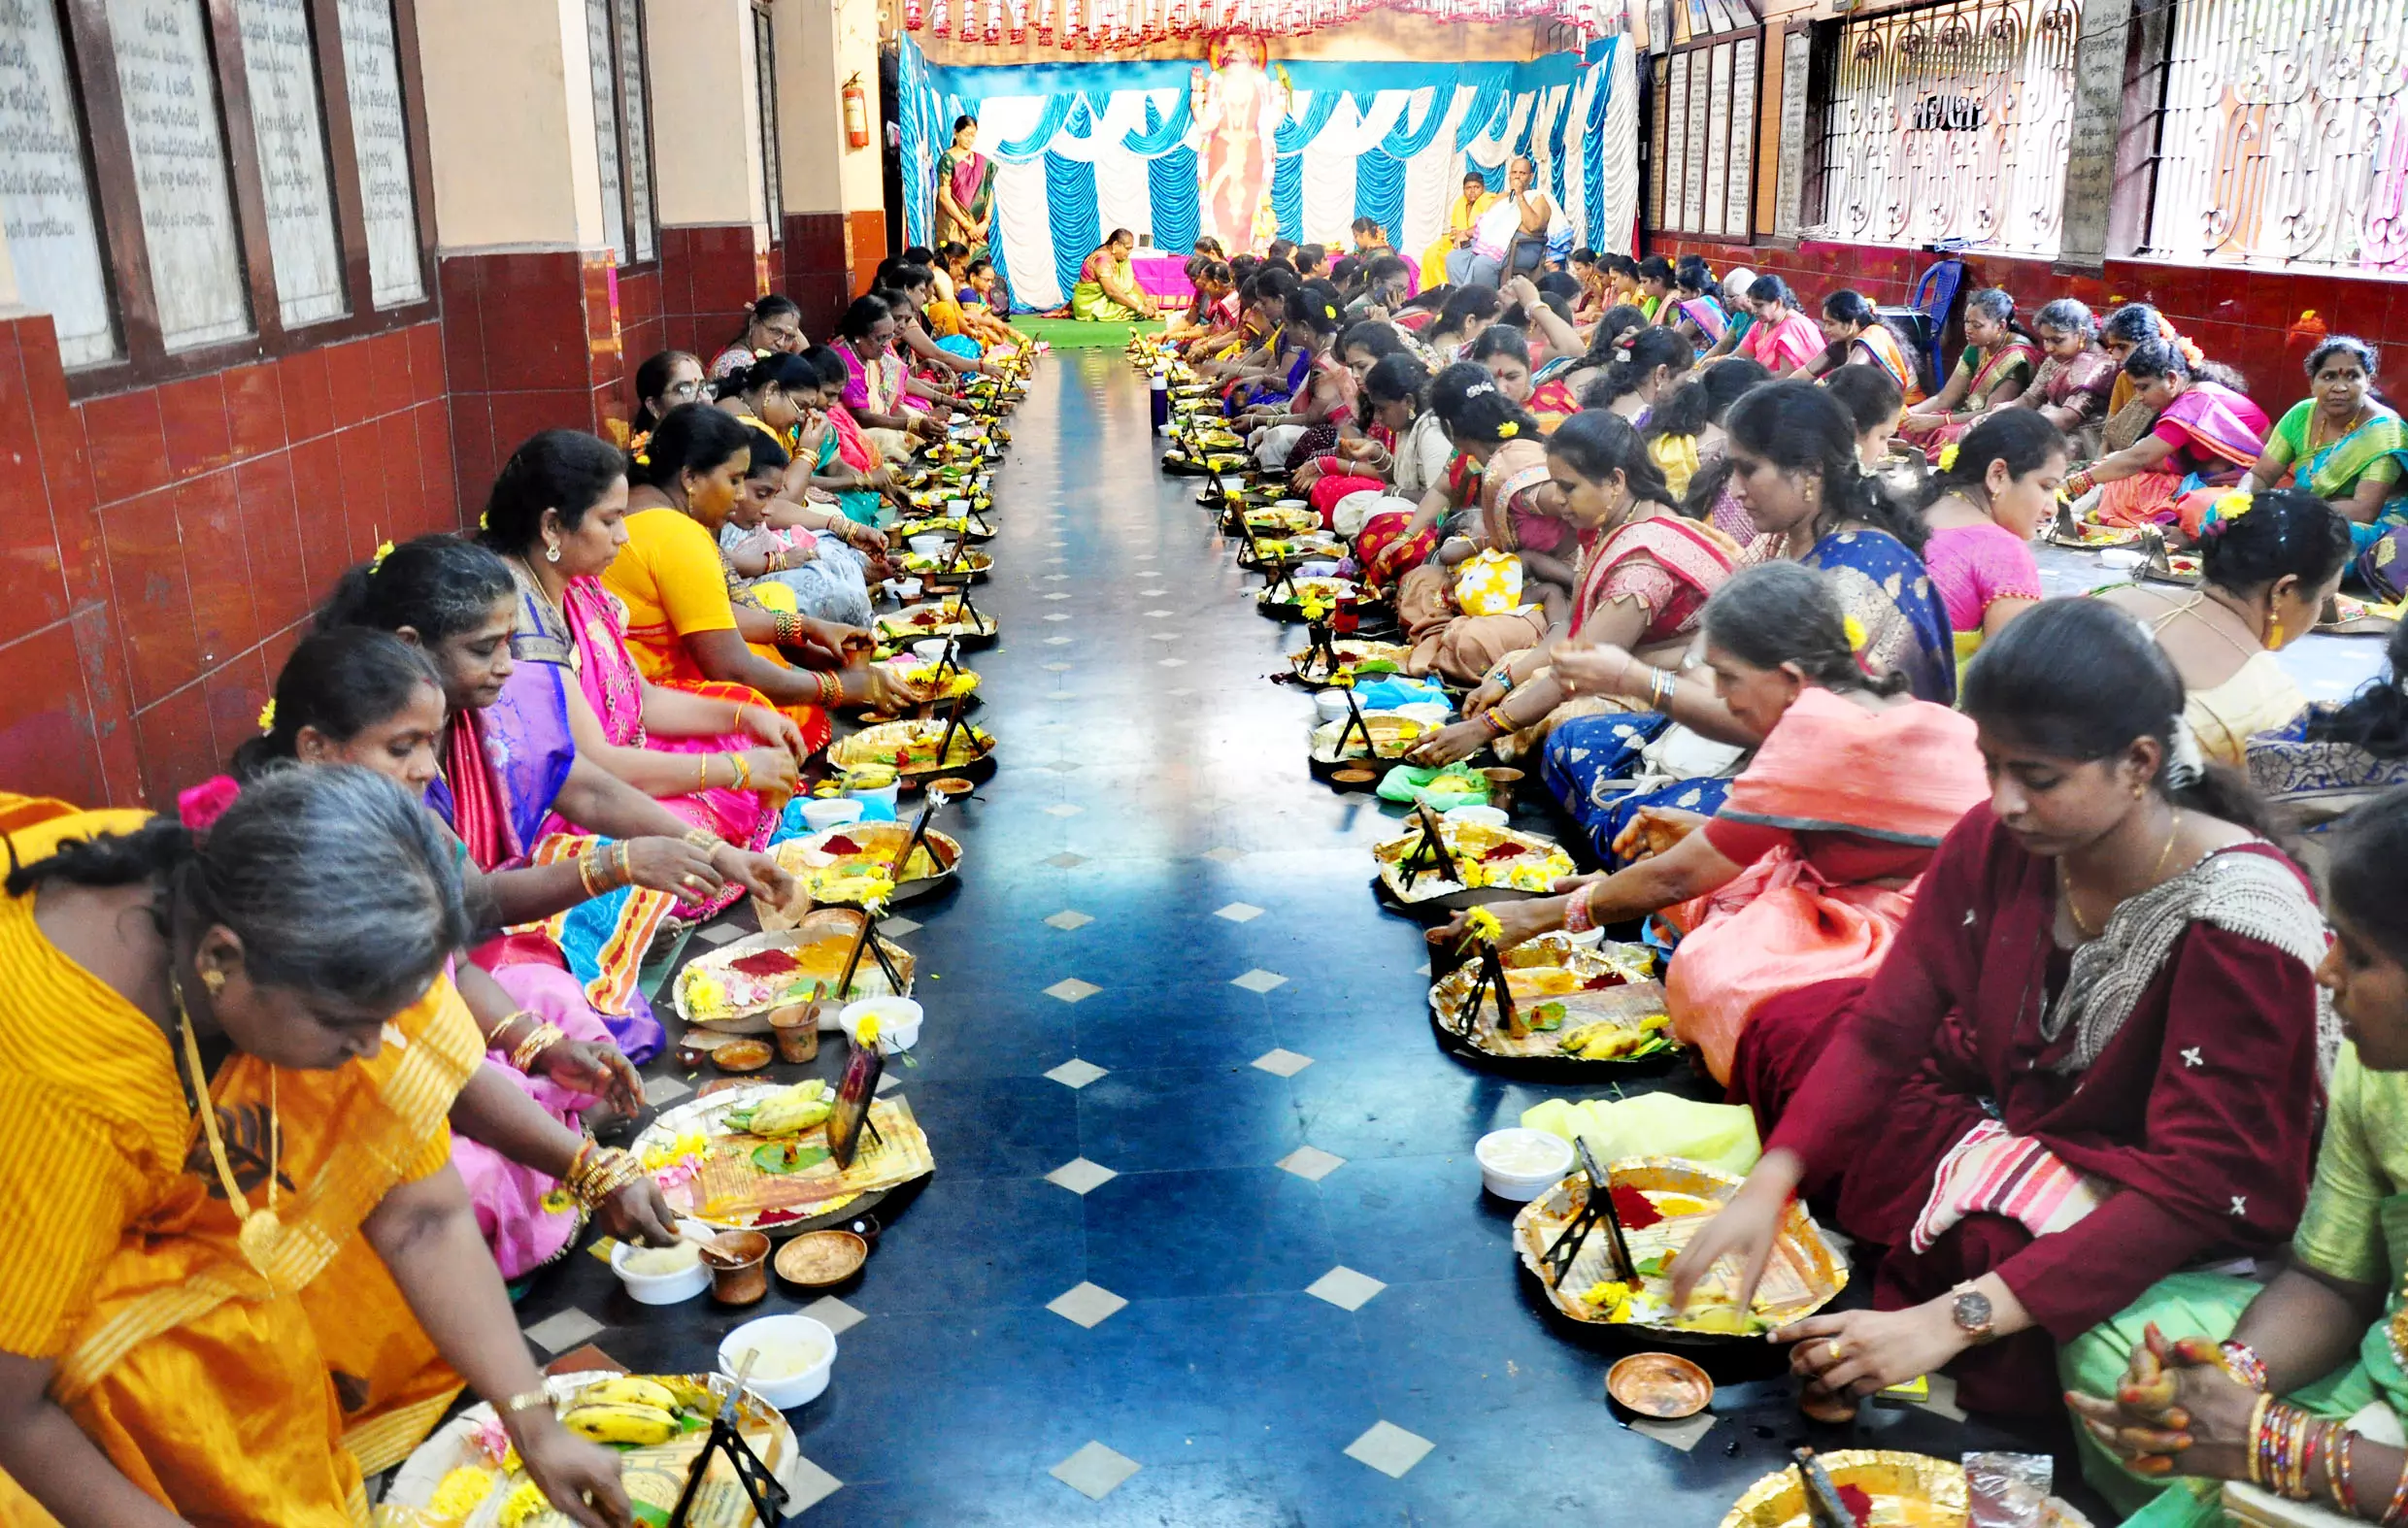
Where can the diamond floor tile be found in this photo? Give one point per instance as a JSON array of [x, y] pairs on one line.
[[1389, 1450], [1081, 1176]]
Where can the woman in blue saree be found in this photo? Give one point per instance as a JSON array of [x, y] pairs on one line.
[[1792, 466]]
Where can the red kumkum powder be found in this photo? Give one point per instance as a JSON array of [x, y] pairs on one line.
[[1633, 1209]]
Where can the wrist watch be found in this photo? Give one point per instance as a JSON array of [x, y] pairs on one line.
[[1971, 1311]]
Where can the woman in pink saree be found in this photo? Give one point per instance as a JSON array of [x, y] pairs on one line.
[[719, 756], [2206, 437]]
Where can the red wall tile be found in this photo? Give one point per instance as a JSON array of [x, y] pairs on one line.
[[200, 438], [46, 731], [208, 523]]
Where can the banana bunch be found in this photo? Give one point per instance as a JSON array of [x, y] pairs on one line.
[[787, 1113], [1607, 1040]]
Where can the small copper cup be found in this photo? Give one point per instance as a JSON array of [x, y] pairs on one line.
[[1502, 784], [738, 1261], [796, 1029], [692, 1055]]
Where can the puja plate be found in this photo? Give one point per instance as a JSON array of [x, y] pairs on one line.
[[654, 1478], [1503, 864], [732, 1191], [857, 847], [819, 945], [1265, 553], [1907, 1490], [909, 748], [1283, 599], [975, 526], [1392, 737], [2084, 536], [942, 571], [1803, 1275], [942, 619], [1276, 520], [1353, 653], [1546, 972]]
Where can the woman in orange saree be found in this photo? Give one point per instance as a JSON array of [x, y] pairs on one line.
[[159, 1364], [1808, 869]]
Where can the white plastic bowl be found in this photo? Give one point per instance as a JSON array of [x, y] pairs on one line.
[[1475, 811], [833, 811], [927, 545], [1291, 504], [889, 793], [1330, 704], [957, 506], [770, 1334], [1520, 1164], [898, 1021], [929, 649], [906, 589], [659, 1288]]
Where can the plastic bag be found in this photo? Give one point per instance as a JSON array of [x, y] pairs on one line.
[[1455, 786], [1655, 1124], [2008, 1490]]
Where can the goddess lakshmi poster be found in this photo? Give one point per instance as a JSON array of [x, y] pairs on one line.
[[1238, 107]]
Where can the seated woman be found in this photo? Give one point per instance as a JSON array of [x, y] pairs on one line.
[[1874, 404], [2341, 443], [363, 697], [516, 791], [1644, 573], [1739, 301], [1784, 340], [1213, 309], [2088, 1062], [1505, 353], [1697, 314], [1464, 313], [2126, 330], [973, 297], [1858, 337], [1321, 403], [772, 323], [1618, 327], [1370, 489], [1271, 369], [1645, 368], [2205, 439], [2267, 565], [1791, 462], [816, 492], [1995, 368], [843, 461], [719, 758], [1502, 575], [1684, 435], [2330, 757], [2196, 1380], [682, 628], [1656, 290], [1994, 491], [665, 380], [1807, 870], [286, 966], [2076, 375], [935, 361], [1107, 289], [879, 390]]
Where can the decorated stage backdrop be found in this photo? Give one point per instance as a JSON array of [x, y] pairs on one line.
[[1084, 148]]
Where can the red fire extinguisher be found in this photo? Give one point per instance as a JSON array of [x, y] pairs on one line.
[[856, 114]]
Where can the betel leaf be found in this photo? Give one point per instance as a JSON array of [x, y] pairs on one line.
[[1547, 1015], [1653, 1267], [783, 1157]]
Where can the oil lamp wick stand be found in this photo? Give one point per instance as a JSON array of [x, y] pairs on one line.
[[1430, 853], [1354, 726], [761, 1487], [867, 938], [1558, 1258]]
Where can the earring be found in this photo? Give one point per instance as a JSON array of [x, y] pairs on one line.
[[2274, 632], [214, 981], [551, 552]]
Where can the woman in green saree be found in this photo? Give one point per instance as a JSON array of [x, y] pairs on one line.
[[2329, 1335], [2341, 443], [965, 191], [1107, 292]]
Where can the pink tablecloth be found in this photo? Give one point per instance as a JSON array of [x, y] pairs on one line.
[[1163, 275]]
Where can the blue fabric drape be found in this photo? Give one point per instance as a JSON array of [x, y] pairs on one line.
[[1070, 212], [1380, 190], [1592, 160], [1057, 109], [1555, 166], [912, 85], [1162, 135], [1287, 195], [1492, 108], [1403, 143], [1293, 135]]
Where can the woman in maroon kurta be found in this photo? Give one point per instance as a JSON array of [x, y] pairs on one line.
[[2089, 1060]]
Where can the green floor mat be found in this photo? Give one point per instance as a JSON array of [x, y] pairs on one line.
[[1071, 334]]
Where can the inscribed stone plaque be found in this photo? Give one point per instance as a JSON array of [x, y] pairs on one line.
[[1747, 78], [381, 139], [46, 204], [1658, 110], [2098, 120], [1790, 177], [179, 169], [1718, 139], [765, 78], [281, 67], [600, 35], [1693, 201], [1676, 162], [638, 168]]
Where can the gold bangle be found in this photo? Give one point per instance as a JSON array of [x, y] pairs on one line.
[[832, 689], [538, 1040], [526, 1400], [627, 864], [742, 772], [494, 1041], [590, 868], [702, 838]]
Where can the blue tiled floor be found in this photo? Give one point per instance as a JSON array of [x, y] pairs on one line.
[[1234, 1390]]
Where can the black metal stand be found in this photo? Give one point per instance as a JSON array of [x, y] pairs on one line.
[[1556, 1261], [1430, 854], [1355, 725], [761, 1487], [867, 939]]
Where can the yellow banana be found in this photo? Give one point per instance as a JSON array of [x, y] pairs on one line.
[[792, 1112], [628, 1391], [691, 1394], [612, 1423]]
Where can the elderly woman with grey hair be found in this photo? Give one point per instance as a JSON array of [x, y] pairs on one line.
[[2075, 377]]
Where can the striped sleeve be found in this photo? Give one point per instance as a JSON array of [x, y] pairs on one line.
[[67, 1191]]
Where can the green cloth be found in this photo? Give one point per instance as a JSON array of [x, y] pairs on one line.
[[1090, 305], [2355, 1228]]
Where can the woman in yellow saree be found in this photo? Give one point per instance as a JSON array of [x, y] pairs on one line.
[[156, 1366]]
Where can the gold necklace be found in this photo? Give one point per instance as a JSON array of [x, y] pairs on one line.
[[259, 1228], [2073, 907]]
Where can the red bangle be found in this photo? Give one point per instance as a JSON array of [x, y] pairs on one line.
[[1577, 918]]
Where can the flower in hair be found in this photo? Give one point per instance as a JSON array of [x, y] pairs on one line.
[[1508, 430], [1328, 311], [1477, 388], [384, 549], [2224, 511], [267, 717], [1947, 457], [1855, 629]]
